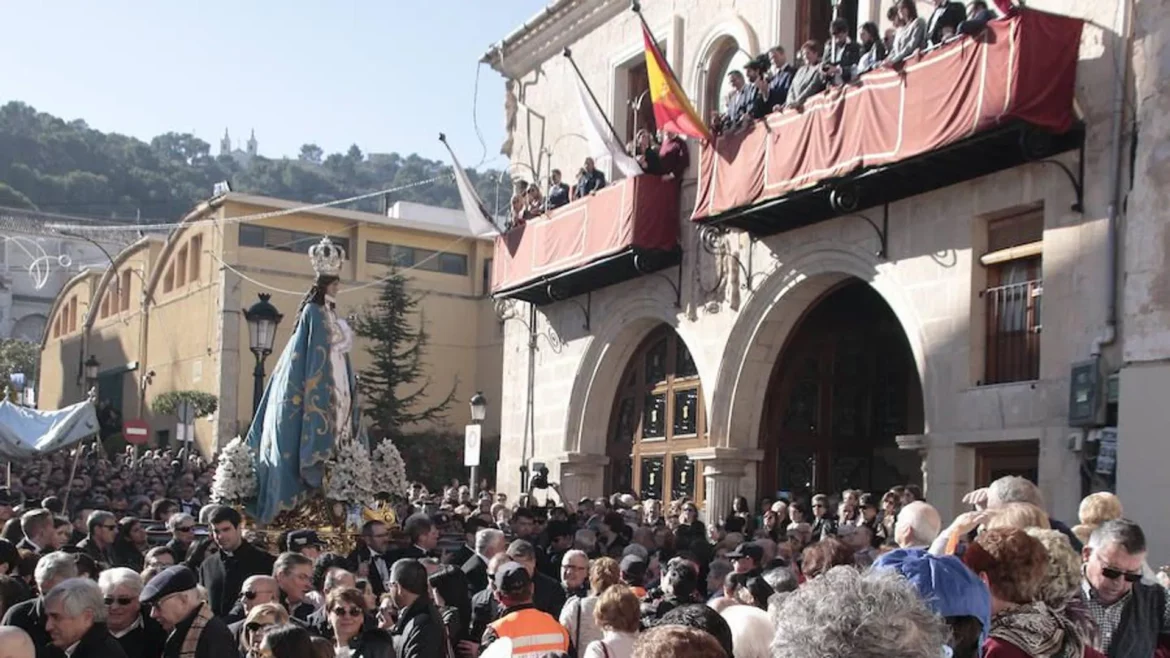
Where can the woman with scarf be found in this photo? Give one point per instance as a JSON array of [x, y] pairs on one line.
[[1015, 566]]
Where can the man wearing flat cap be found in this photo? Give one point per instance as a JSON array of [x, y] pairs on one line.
[[175, 602], [530, 630]]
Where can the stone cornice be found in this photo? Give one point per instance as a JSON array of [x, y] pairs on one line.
[[547, 33]]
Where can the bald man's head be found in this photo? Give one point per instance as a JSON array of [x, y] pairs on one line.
[[15, 643]]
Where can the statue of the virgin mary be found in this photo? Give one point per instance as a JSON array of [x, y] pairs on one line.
[[308, 405]]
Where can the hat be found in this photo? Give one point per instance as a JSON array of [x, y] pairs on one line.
[[632, 564], [298, 539], [747, 549], [172, 580], [512, 578], [946, 584], [7, 498]]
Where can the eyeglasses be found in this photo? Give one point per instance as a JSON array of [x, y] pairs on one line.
[[120, 600], [341, 611], [1114, 574], [189, 528]]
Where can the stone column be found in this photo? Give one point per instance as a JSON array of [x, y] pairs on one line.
[[580, 475], [723, 474], [919, 443]]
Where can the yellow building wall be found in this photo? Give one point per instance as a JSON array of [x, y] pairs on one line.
[[61, 354]]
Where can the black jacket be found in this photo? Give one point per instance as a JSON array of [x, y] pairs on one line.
[[90, 548], [146, 641], [98, 643], [178, 549], [949, 15], [318, 623], [547, 595], [457, 558], [224, 576], [363, 555], [484, 610], [123, 554], [26, 545], [375, 643], [30, 617], [419, 632], [475, 570], [215, 641]]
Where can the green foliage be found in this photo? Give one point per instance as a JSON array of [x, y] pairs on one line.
[[397, 351], [435, 459], [59, 166], [17, 356], [168, 403]]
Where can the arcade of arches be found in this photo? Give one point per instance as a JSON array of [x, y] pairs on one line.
[[844, 387]]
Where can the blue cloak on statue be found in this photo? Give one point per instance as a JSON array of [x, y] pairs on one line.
[[293, 434]]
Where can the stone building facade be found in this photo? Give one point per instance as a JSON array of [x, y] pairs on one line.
[[809, 360]]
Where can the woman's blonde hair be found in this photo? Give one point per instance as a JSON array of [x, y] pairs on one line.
[[1062, 580], [1019, 515], [275, 610], [618, 609], [604, 573], [1097, 508]]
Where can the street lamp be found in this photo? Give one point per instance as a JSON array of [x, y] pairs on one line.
[[474, 435], [262, 321], [91, 366]]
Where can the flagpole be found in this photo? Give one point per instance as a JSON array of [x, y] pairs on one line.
[[621, 142]]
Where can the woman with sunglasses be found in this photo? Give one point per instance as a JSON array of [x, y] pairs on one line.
[[346, 608], [139, 635], [1014, 565], [259, 621]]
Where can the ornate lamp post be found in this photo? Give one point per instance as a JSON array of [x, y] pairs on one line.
[[263, 319], [90, 368], [478, 412]]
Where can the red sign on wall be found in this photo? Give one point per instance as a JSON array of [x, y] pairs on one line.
[[136, 432]]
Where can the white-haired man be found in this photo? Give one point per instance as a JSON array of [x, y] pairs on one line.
[[1016, 489], [489, 542], [917, 526], [175, 602], [139, 635], [182, 529], [30, 615], [575, 573], [75, 618], [15, 643]]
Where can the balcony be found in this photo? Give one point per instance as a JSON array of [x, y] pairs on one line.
[[623, 231], [1013, 332], [970, 108]]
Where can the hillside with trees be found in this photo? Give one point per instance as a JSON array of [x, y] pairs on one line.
[[53, 165]]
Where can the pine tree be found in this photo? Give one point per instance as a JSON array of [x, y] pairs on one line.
[[391, 388]]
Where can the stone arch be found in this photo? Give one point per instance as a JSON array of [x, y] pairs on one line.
[[30, 327], [767, 321], [601, 366], [713, 50]]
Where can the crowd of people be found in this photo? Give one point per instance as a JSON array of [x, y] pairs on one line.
[[852, 574], [770, 83]]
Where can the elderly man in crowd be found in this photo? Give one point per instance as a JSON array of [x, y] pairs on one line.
[[76, 620], [489, 542], [175, 602], [1131, 616], [182, 529], [30, 615], [575, 573], [294, 576], [15, 643], [918, 525], [139, 635], [257, 591]]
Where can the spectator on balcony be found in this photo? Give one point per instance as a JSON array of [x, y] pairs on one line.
[[755, 93], [978, 15], [589, 179], [780, 79], [873, 51], [519, 201], [558, 191], [841, 54], [910, 36], [944, 20], [809, 80], [645, 150], [533, 203], [895, 23], [734, 102], [673, 156]]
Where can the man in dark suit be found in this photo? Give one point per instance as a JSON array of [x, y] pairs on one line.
[[841, 54], [75, 622], [547, 594], [484, 607], [371, 559], [780, 80], [489, 542], [465, 552], [944, 20], [223, 573], [978, 15], [102, 527], [39, 531], [175, 602], [31, 615], [424, 538]]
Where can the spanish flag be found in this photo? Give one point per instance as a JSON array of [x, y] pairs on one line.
[[672, 109]]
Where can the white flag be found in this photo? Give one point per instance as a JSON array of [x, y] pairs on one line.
[[602, 142], [479, 220]]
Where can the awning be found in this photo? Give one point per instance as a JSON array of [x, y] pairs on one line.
[[622, 231], [28, 432], [1018, 77]]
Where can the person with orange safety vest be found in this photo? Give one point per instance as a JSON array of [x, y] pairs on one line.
[[532, 633]]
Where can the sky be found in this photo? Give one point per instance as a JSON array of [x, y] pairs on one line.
[[387, 75]]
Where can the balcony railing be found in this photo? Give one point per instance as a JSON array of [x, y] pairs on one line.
[[1013, 332]]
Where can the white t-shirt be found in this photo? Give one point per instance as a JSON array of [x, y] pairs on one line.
[[617, 645]]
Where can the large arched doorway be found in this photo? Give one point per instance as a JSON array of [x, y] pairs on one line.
[[657, 417], [844, 387]]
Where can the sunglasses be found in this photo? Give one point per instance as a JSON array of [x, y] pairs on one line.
[[252, 627], [1114, 574], [189, 528], [250, 595], [120, 600], [341, 611]]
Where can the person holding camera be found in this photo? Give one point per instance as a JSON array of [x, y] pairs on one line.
[[841, 54]]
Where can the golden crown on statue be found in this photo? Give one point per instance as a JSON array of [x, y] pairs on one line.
[[326, 257]]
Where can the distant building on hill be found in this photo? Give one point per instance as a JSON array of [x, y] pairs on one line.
[[242, 158]]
